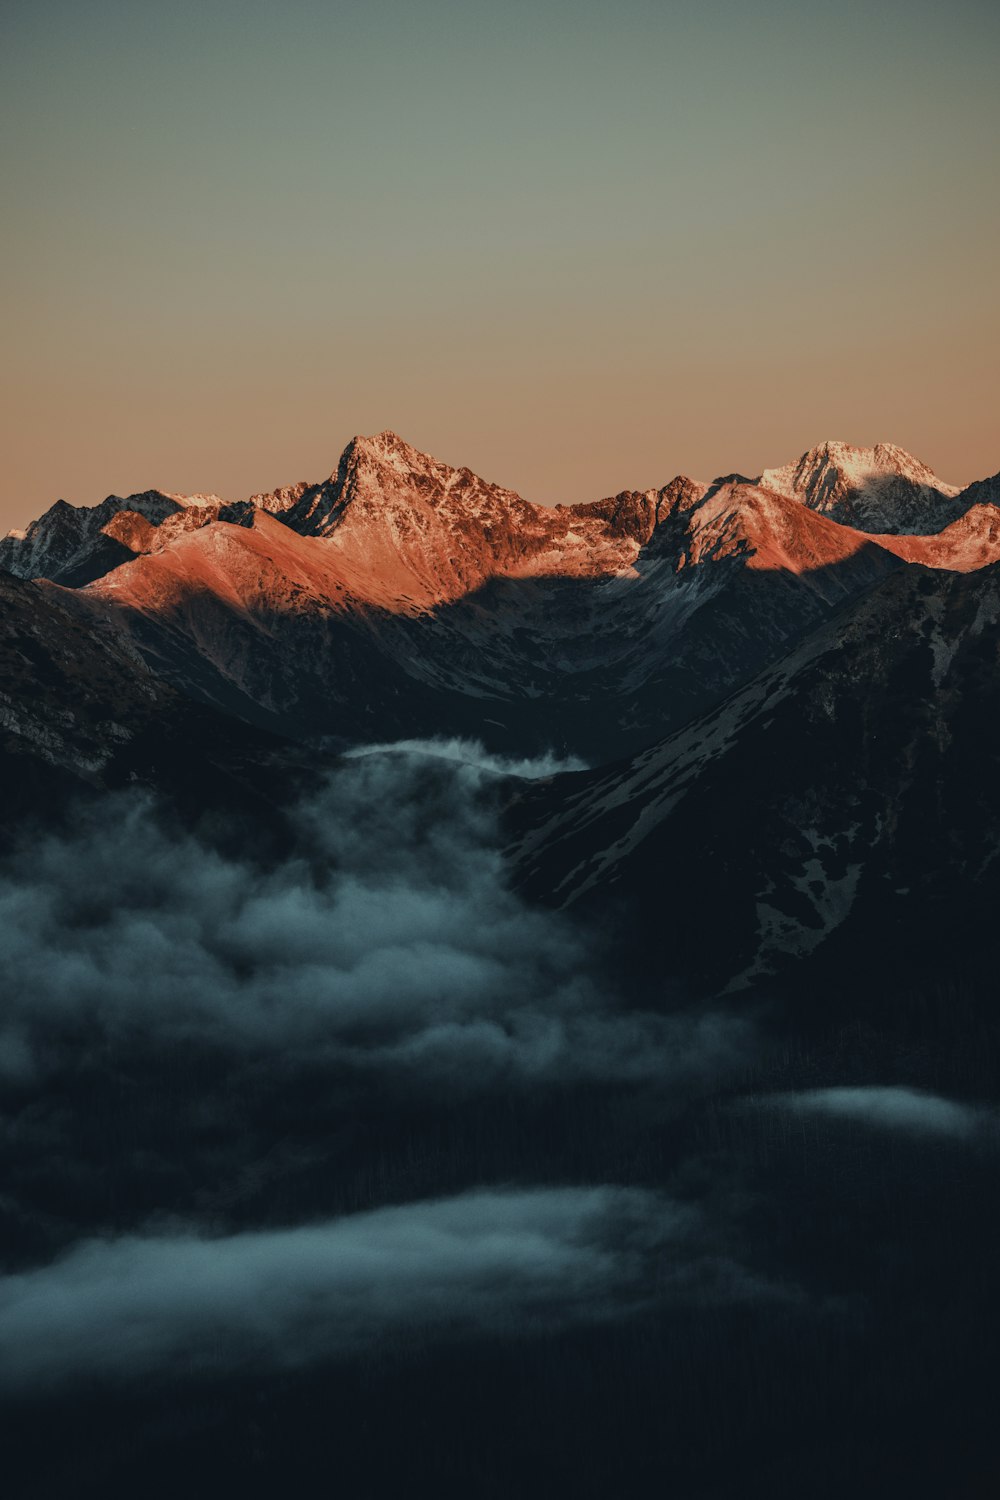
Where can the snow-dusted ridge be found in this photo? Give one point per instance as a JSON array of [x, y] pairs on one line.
[[384, 489], [880, 489], [402, 597]]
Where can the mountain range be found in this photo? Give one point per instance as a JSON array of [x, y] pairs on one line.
[[403, 596], [503, 994], [786, 677]]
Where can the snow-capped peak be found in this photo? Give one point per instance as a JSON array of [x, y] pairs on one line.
[[880, 489]]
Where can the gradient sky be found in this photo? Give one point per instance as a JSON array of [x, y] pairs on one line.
[[576, 246]]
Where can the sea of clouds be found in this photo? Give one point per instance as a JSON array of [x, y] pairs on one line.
[[391, 941], [388, 950], [258, 1113]]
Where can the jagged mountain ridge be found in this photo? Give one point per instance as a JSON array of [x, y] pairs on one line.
[[882, 490], [383, 490], [74, 544], [402, 595], [750, 638], [338, 636]]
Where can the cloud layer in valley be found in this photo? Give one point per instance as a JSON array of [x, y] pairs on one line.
[[500, 1262], [486, 1261], [387, 951], [389, 941]]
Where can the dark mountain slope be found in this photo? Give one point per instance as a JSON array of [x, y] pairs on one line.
[[398, 623], [835, 825], [80, 712]]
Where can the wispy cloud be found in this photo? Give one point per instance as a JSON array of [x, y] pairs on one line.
[[889, 1107], [496, 1261], [474, 755]]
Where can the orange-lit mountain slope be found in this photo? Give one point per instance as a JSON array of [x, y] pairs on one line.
[[402, 594]]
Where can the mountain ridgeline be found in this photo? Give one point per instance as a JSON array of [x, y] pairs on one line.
[[401, 596], [736, 658]]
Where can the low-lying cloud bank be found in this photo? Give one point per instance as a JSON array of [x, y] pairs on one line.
[[374, 983], [891, 1107], [493, 1262], [474, 755], [391, 942]]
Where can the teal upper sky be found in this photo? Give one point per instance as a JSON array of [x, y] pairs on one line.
[[577, 246]]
